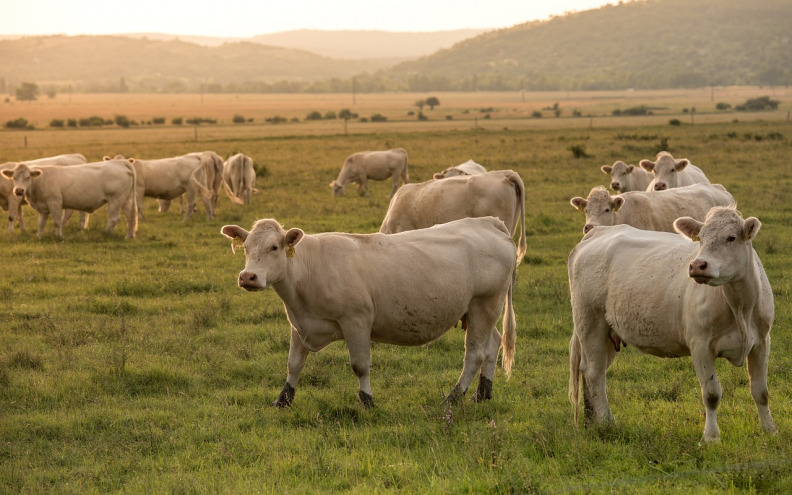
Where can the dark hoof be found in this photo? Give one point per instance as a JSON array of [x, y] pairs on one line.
[[286, 397], [484, 391], [454, 396], [366, 399]]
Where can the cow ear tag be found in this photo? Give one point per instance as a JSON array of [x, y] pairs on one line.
[[290, 251], [694, 238], [235, 243]]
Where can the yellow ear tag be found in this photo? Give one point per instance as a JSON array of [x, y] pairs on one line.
[[290, 251], [235, 243], [694, 238]]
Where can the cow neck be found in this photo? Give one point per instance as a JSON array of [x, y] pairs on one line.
[[289, 289], [742, 296]]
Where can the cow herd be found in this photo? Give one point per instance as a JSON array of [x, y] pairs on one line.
[[666, 265], [55, 186]]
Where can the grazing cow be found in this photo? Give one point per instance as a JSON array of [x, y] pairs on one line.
[[50, 190], [169, 178], [376, 165], [13, 203], [499, 193], [650, 210], [239, 177], [468, 168], [403, 289], [670, 297], [210, 178], [667, 172], [626, 178]]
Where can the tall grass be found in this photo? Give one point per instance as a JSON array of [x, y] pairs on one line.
[[139, 366]]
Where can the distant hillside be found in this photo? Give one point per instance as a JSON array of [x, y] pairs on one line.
[[641, 44], [101, 62]]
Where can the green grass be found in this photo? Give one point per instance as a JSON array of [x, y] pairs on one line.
[[140, 367]]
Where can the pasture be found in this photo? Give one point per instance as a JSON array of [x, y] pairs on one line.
[[140, 366]]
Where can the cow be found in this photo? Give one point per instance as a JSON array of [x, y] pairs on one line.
[[13, 203], [500, 193], [626, 178], [670, 297], [50, 190], [403, 289], [210, 178], [169, 178], [668, 172], [239, 178], [376, 165], [650, 210], [468, 168]]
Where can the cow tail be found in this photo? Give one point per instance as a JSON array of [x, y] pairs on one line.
[[202, 187], [406, 176], [233, 197], [575, 357], [522, 245], [509, 328], [134, 213]]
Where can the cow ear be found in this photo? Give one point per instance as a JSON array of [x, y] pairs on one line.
[[648, 165], [236, 234], [579, 203], [437, 175], [630, 168], [681, 164], [618, 202], [8, 173], [688, 227], [751, 228], [35, 172], [293, 237], [606, 169], [332, 184], [106, 158]]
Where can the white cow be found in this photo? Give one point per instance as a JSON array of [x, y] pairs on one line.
[[403, 289], [50, 190], [13, 204], [626, 178], [210, 178], [667, 172], [169, 178], [468, 168], [239, 178], [650, 210], [499, 193], [670, 297], [376, 165]]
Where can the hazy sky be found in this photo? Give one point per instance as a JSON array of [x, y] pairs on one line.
[[245, 18]]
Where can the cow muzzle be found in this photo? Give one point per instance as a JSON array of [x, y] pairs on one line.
[[660, 186], [250, 281], [615, 186], [698, 270], [19, 192], [587, 228]]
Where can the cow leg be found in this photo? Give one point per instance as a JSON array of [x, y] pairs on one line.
[[57, 218], [141, 193], [704, 364], [298, 353], [85, 217], [164, 205], [395, 185], [208, 206], [190, 204], [757, 374], [481, 320], [598, 353], [484, 390], [113, 215], [42, 221], [359, 345]]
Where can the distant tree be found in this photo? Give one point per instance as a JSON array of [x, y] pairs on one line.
[[420, 103], [314, 116], [238, 119], [27, 91], [57, 123], [722, 106], [330, 115], [378, 117], [19, 123], [122, 121], [432, 102]]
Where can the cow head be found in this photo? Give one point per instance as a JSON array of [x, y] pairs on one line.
[[23, 176], [268, 249], [338, 188], [599, 208], [449, 172], [618, 173], [665, 170], [725, 245]]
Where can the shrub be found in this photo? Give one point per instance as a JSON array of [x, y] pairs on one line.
[[57, 123], [578, 150], [449, 117], [378, 117], [71, 122], [330, 115], [536, 114], [314, 116], [363, 119], [758, 104], [177, 121], [19, 123], [122, 121], [722, 106], [92, 121], [158, 120], [238, 119], [421, 116], [675, 122], [276, 119]]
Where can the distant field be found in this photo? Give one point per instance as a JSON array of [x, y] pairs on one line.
[[140, 367], [457, 111]]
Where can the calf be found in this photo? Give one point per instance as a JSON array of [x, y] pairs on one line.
[[361, 288], [670, 297]]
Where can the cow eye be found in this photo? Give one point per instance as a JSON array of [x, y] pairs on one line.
[[731, 238], [607, 210], [274, 248]]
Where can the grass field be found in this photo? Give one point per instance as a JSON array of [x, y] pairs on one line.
[[140, 367]]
